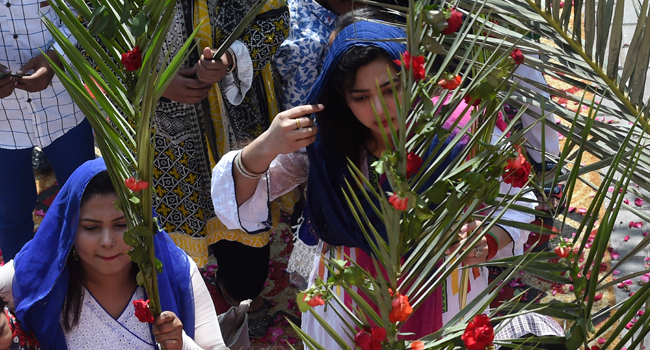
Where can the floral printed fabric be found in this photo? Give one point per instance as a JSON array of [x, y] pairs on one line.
[[21, 339], [301, 55]]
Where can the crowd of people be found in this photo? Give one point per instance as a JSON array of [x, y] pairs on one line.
[[235, 143]]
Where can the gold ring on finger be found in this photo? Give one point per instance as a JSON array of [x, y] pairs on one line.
[[479, 252], [298, 124]]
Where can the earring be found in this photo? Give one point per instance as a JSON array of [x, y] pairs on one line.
[[75, 256]]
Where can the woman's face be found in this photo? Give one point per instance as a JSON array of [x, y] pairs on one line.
[[364, 94], [100, 237]]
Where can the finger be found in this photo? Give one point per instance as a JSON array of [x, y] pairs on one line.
[[303, 133], [164, 317], [31, 64], [6, 81], [195, 84], [207, 53], [470, 226], [187, 72], [300, 111], [170, 337], [305, 142]]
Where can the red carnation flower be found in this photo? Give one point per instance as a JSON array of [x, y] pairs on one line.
[[401, 308], [454, 22], [517, 56], [413, 164], [132, 59], [370, 339], [468, 99], [517, 171], [135, 185], [479, 333], [450, 84], [314, 301], [398, 203], [142, 311], [418, 65]]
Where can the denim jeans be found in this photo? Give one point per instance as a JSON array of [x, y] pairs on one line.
[[18, 186]]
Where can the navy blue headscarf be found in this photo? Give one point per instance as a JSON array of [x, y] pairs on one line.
[[327, 213], [41, 278]]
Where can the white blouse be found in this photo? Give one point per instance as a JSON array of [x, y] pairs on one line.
[[97, 329]]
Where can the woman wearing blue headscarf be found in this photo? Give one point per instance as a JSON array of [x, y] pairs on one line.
[[74, 285], [357, 72]]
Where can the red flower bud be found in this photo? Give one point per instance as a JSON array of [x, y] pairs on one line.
[[450, 84], [135, 185], [517, 56], [398, 203], [454, 22], [517, 171]]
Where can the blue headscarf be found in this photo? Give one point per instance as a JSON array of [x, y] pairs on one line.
[[327, 213], [41, 278]]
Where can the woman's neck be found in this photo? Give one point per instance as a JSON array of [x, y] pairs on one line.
[[376, 145], [122, 280]]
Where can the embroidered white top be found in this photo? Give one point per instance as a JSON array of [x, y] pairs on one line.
[[97, 329]]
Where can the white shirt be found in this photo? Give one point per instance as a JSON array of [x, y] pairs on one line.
[[32, 119]]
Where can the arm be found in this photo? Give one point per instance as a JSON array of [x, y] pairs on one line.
[[282, 137], [168, 329]]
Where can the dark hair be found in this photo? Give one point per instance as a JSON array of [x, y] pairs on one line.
[[341, 132], [359, 14], [100, 185]]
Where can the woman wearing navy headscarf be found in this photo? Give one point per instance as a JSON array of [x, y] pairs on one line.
[[74, 283], [358, 71]]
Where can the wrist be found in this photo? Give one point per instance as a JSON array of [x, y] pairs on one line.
[[256, 157]]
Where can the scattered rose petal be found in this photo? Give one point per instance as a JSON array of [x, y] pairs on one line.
[[592, 195], [39, 212], [631, 294], [638, 202], [626, 201], [615, 255], [598, 297], [644, 279], [631, 224], [572, 209], [640, 313], [647, 258], [644, 234], [626, 238], [620, 286], [558, 120], [616, 272], [628, 282], [610, 189], [601, 341], [560, 136], [582, 211], [638, 224], [629, 325]]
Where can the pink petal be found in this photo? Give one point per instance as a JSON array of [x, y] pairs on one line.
[[560, 136], [631, 224], [629, 325], [39, 212], [644, 279], [638, 224], [278, 331], [572, 209], [626, 238], [558, 120], [610, 189], [611, 121], [615, 255], [601, 341], [598, 297], [628, 282], [644, 234], [616, 272], [647, 258], [626, 201], [582, 211], [592, 195], [620, 286], [638, 202], [631, 294], [640, 313]]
